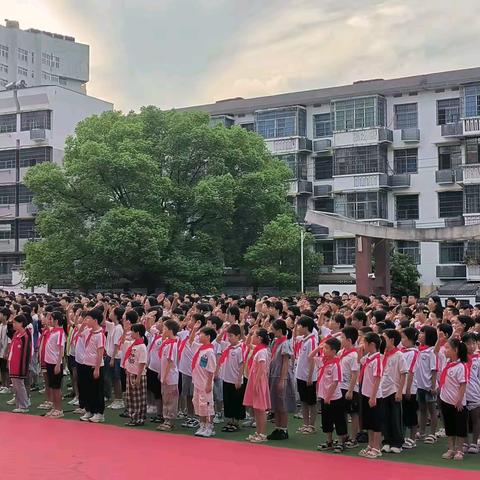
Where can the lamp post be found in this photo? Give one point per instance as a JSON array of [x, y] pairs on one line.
[[302, 238]]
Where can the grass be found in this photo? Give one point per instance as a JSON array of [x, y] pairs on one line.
[[422, 455]]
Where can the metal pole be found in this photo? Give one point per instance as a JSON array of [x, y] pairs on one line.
[[302, 233]]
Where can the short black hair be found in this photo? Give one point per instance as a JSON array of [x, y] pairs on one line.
[[411, 333], [216, 321], [361, 316], [234, 329], [446, 328], [131, 316], [210, 332], [198, 317], [280, 325], [340, 319], [431, 335], [96, 314], [394, 335], [372, 337], [351, 333], [172, 325], [307, 322], [334, 344]]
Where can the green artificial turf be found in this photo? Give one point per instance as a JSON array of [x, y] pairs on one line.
[[423, 454]]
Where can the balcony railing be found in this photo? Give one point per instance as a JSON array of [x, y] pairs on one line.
[[471, 173], [455, 221], [452, 129], [406, 223], [322, 145], [38, 134], [368, 136], [288, 145], [399, 180], [473, 273], [445, 176], [410, 135], [322, 191], [300, 187], [471, 126], [451, 271]]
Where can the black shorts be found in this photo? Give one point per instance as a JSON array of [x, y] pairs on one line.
[[307, 393], [54, 380], [153, 384], [372, 417], [233, 401], [456, 423], [3, 365], [333, 415], [409, 411], [71, 363], [353, 405]]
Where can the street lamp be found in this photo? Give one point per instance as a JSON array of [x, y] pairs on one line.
[[302, 238]]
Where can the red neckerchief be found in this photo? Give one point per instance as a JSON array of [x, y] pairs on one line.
[[257, 349], [278, 342], [226, 353], [296, 347], [87, 341], [197, 354], [166, 343], [74, 336], [181, 347], [58, 330], [373, 358], [422, 348], [331, 361], [347, 352], [387, 354], [414, 359], [130, 349], [443, 376], [45, 336], [155, 338]]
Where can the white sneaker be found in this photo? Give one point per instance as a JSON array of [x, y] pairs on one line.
[[11, 401], [42, 390], [45, 406], [4, 390], [57, 414], [79, 411], [20, 410], [209, 431], [151, 409], [201, 431], [118, 405], [218, 418], [395, 450], [86, 417], [72, 401], [97, 418], [386, 449]]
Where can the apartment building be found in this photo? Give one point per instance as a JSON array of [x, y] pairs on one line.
[[402, 152]]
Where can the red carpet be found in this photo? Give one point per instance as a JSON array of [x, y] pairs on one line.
[[38, 448]]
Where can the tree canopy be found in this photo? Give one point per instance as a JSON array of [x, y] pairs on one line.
[[153, 198], [404, 275]]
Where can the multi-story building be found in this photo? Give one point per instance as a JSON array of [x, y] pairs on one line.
[[402, 152], [42, 58]]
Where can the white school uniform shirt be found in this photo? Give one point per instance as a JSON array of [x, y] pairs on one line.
[[115, 333], [308, 344], [330, 374], [80, 347], [349, 364], [93, 341], [411, 359], [441, 362], [186, 357], [456, 375], [169, 353], [372, 369], [473, 384], [153, 359], [426, 363], [206, 363], [393, 368], [232, 368], [4, 341], [55, 342], [137, 356]]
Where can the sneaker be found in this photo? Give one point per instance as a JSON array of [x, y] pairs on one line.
[[97, 418], [187, 423], [218, 418], [200, 431], [448, 455], [349, 444], [458, 455], [49, 412], [165, 427], [278, 434], [430, 439], [45, 406], [73, 401], [325, 447], [363, 452], [472, 448], [5, 390], [151, 409], [386, 449], [79, 411], [20, 410], [298, 415], [57, 414], [194, 423], [76, 402], [42, 390], [258, 438], [86, 417], [373, 453], [181, 415], [409, 444], [209, 431], [396, 450], [249, 422], [11, 401], [441, 433]]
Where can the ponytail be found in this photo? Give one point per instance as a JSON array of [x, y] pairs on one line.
[[140, 329], [460, 348]]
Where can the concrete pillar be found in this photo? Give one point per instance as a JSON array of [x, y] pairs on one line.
[[381, 255], [363, 264]]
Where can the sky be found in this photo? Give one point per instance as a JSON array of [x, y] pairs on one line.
[[174, 53]]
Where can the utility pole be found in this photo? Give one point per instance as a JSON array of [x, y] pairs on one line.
[[302, 237]]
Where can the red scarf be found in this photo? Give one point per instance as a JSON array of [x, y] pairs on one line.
[[226, 353], [443, 376], [277, 343], [58, 330], [181, 347], [197, 354], [257, 349], [74, 336], [375, 357], [414, 359], [155, 338], [422, 348], [87, 341], [347, 352], [45, 336], [166, 343], [387, 354], [330, 361], [129, 350]]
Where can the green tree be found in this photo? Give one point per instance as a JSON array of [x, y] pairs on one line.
[[404, 275], [275, 257], [156, 198]]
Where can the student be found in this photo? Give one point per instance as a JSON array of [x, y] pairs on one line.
[[168, 354], [371, 395], [134, 362], [72, 320], [4, 343], [393, 381], [231, 373], [330, 394], [154, 385], [350, 368], [46, 326], [257, 394], [19, 357], [453, 384], [281, 380], [82, 370], [54, 349], [409, 399], [426, 379], [306, 373], [216, 323], [473, 391], [114, 331]]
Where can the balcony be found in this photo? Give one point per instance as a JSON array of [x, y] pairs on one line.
[[318, 230], [406, 223], [399, 180], [322, 145], [447, 176], [410, 135], [7, 245], [368, 136], [471, 218], [299, 187], [452, 129], [451, 271], [471, 126], [368, 181], [288, 145], [455, 221], [473, 273], [7, 175], [470, 173], [38, 134], [322, 191]]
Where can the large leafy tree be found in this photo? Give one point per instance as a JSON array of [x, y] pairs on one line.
[[404, 275], [275, 257], [153, 198]]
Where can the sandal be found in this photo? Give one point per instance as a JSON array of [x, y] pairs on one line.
[[430, 439], [230, 428], [325, 447], [339, 448]]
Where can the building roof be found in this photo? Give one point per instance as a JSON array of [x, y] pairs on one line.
[[428, 81], [459, 288]]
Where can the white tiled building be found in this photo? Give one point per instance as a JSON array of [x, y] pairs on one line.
[[402, 152]]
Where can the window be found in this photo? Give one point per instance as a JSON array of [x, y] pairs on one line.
[[448, 111], [405, 161], [406, 116], [301, 207], [24, 194], [49, 77], [327, 250], [450, 204], [8, 123], [6, 264], [354, 113], [345, 251], [362, 205], [297, 163], [22, 55], [322, 125], [472, 198], [368, 159], [472, 100], [6, 231], [3, 51], [7, 194], [7, 159], [472, 251], [324, 205], [323, 167], [412, 249], [221, 120], [449, 156], [22, 71], [472, 150], [26, 229], [39, 119], [278, 123], [452, 252], [3, 68], [407, 207], [248, 126], [30, 157], [50, 60]]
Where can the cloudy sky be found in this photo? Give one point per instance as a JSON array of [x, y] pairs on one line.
[[187, 52]]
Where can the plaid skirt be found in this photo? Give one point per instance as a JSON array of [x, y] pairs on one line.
[[136, 398]]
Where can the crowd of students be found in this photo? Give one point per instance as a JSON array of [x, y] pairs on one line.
[[381, 370]]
